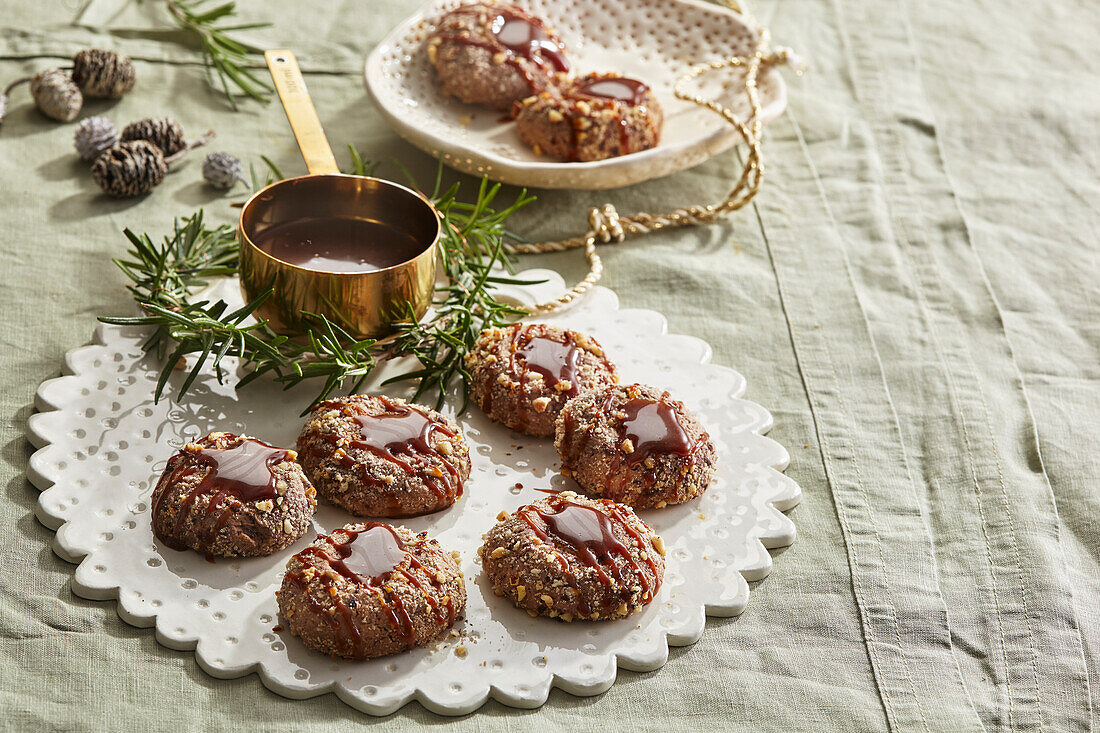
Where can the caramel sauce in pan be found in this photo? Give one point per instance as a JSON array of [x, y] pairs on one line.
[[368, 558], [590, 534], [234, 475], [402, 435], [338, 244]]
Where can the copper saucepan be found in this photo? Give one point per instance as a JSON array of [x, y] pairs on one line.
[[365, 303]]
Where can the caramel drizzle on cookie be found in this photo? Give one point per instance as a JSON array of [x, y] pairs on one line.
[[401, 435], [590, 534], [618, 92], [233, 476], [513, 32], [367, 558], [653, 428], [533, 349], [617, 88]]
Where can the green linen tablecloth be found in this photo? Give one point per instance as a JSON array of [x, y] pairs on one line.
[[914, 295]]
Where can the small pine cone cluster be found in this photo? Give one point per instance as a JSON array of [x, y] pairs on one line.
[[103, 74], [133, 162], [128, 164], [130, 169], [60, 95], [164, 132]]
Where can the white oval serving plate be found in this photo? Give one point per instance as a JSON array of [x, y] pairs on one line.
[[102, 442], [656, 41]]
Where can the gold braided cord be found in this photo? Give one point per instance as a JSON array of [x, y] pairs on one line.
[[605, 224]]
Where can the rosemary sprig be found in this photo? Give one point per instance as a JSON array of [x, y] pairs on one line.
[[164, 274], [473, 247], [223, 56], [204, 328]]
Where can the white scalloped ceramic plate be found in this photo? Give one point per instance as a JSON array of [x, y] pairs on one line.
[[656, 41], [102, 442]]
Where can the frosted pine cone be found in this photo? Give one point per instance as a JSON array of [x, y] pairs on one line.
[[93, 136], [222, 170], [164, 132], [102, 73], [56, 95], [130, 169]]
